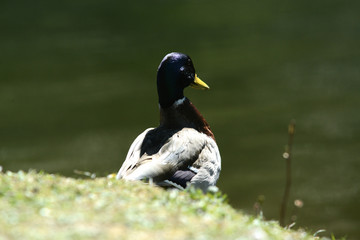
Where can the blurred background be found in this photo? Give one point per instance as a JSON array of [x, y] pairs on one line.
[[78, 84]]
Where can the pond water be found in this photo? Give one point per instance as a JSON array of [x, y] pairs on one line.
[[77, 85]]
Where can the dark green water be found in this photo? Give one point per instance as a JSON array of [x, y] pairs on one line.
[[77, 85]]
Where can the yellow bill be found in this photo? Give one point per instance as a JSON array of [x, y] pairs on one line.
[[198, 83]]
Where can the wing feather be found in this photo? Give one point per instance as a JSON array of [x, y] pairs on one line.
[[133, 154], [208, 165]]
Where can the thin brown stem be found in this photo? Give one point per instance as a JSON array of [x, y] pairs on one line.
[[287, 156]]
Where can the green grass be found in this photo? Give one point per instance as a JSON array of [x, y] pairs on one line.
[[45, 206]]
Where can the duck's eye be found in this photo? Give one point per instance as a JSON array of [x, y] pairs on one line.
[[187, 76], [185, 71], [190, 78]]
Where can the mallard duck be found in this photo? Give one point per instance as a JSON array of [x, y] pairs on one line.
[[182, 149]]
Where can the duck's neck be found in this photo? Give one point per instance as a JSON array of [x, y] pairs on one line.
[[184, 114]]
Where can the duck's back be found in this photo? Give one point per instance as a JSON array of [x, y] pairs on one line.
[[155, 139]]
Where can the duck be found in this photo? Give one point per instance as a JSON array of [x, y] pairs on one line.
[[182, 150]]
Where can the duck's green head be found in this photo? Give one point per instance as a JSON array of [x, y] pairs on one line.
[[176, 72]]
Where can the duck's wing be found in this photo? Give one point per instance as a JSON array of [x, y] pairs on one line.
[[203, 173], [133, 155], [182, 150], [207, 166]]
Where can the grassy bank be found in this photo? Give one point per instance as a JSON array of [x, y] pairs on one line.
[[45, 206]]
